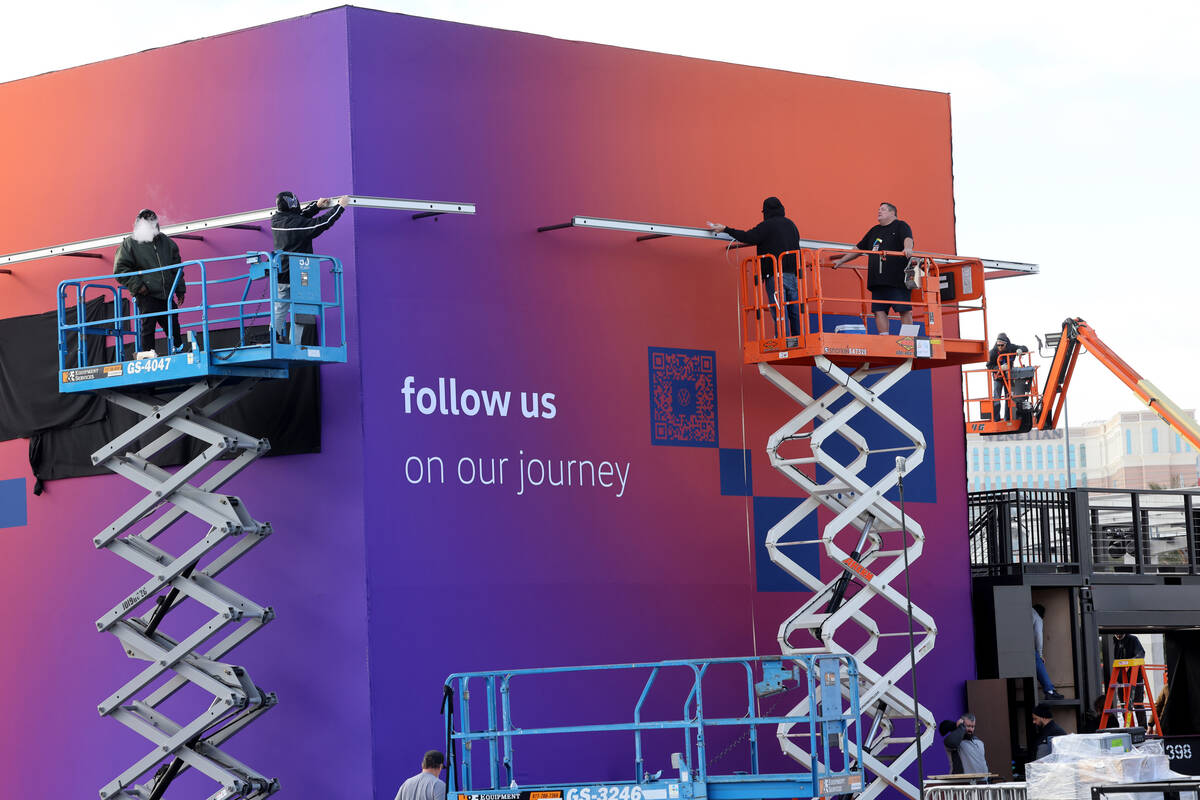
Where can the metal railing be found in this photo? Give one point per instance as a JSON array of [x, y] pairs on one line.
[[827, 297], [1022, 530], [833, 732], [1104, 531], [226, 301]]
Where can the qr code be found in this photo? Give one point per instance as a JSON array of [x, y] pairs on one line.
[[683, 397]]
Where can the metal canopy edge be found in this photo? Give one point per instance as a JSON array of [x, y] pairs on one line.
[[657, 230], [234, 220]]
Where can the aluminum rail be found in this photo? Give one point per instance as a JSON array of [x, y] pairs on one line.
[[242, 220], [655, 230]]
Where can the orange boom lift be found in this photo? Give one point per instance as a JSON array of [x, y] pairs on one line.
[[1017, 408]]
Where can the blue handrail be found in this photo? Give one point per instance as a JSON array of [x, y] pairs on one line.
[[832, 721], [121, 324]]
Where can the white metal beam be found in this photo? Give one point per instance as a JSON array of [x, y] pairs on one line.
[[654, 230], [423, 207]]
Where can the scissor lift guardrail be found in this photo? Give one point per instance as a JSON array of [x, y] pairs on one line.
[[831, 732], [229, 303]]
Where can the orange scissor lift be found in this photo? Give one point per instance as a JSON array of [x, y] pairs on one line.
[[835, 337]]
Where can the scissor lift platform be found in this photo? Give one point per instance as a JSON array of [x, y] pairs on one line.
[[836, 320], [827, 729], [230, 333]]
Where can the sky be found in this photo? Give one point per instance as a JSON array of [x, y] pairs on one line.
[[1074, 128]]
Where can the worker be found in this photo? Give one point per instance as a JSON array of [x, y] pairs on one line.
[[148, 248], [1046, 729], [293, 227], [1039, 614], [966, 752], [426, 784], [885, 273], [776, 235], [1000, 359]]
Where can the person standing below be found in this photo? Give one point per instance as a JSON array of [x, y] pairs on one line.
[[426, 784], [1039, 614], [775, 235], [293, 227], [885, 273], [1046, 729], [149, 248], [1000, 359], [966, 752]]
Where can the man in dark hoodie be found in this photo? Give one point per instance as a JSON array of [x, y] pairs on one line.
[[775, 235], [293, 227], [885, 274], [1000, 361], [149, 248]]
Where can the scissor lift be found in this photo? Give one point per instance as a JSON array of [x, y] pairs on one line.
[[226, 352], [861, 368], [835, 336], [828, 729], [230, 343]]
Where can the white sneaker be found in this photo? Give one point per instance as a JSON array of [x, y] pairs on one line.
[[143, 354]]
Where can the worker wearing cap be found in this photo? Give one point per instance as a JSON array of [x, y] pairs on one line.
[[999, 361], [1046, 729], [148, 248]]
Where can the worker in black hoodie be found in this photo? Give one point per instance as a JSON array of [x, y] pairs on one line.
[[149, 248], [775, 235], [293, 227]]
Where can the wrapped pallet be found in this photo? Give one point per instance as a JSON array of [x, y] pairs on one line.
[[1077, 762]]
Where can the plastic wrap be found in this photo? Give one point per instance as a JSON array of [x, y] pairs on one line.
[[1080, 761]]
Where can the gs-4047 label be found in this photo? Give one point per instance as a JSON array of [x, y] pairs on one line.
[[604, 793], [148, 366]]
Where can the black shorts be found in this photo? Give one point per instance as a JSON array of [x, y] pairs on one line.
[[887, 297]]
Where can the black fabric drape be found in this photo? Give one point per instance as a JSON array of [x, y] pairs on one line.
[[1181, 712], [29, 398], [65, 429]]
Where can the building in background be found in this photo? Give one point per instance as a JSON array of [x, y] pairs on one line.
[[1131, 450]]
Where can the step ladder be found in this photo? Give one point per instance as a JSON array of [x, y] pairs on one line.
[[1128, 701], [193, 662], [830, 619]]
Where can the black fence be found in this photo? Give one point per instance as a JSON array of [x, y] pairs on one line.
[[1072, 531]]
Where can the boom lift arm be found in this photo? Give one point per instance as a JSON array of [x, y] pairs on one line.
[[1027, 411]]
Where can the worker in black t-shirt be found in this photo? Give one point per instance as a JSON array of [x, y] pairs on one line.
[[885, 274]]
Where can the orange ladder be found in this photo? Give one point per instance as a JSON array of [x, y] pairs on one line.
[[1129, 674]]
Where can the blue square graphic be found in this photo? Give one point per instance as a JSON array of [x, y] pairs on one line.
[[769, 577], [912, 397], [683, 397], [736, 479], [12, 503]]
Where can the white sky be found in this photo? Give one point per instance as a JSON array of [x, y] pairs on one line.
[[1074, 127]]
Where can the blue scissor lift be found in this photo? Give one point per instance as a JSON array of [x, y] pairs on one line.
[[239, 303], [828, 729], [230, 343]]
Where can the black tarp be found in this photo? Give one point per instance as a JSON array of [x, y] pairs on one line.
[[65, 429], [29, 398], [1181, 712]]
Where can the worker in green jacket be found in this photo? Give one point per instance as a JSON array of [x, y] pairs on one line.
[[148, 248]]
